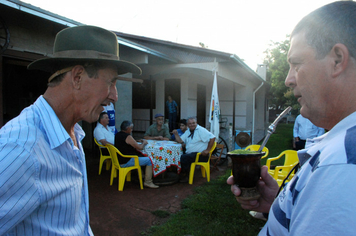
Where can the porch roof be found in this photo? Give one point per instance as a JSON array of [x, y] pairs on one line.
[[167, 52], [55, 18], [185, 54]]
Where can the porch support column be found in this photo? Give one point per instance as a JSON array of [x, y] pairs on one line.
[[233, 117], [151, 101]]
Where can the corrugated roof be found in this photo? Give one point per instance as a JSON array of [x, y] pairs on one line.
[[181, 52], [147, 50], [188, 54], [169, 51], [39, 12], [28, 8]]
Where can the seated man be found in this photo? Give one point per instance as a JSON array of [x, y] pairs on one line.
[[196, 139], [127, 145], [102, 134], [183, 127], [158, 131]]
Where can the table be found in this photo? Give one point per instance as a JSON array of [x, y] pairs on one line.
[[163, 154]]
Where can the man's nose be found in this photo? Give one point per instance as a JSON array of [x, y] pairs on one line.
[[290, 79], [113, 93]]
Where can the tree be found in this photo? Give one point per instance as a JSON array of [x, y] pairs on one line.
[[280, 96], [203, 45]]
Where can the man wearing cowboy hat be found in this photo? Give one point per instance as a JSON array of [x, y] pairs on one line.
[[43, 182]]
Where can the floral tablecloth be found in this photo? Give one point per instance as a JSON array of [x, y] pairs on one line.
[[163, 154]]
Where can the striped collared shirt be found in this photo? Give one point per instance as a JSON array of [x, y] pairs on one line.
[[320, 199], [43, 182]]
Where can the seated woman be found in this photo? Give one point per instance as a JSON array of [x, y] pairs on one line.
[[127, 145], [183, 127]]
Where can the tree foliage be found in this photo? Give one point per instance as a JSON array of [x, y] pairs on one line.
[[280, 96], [203, 45]]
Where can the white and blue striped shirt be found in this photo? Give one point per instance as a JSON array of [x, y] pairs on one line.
[[43, 182], [320, 199]]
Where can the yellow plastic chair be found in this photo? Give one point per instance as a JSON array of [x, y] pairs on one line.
[[205, 166], [281, 172], [256, 147], [279, 169], [103, 157], [124, 172]]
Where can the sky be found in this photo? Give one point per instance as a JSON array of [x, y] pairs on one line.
[[242, 27]]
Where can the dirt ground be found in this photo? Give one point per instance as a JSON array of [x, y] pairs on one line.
[[128, 213]]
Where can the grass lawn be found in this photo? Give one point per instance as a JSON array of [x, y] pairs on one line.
[[213, 210]]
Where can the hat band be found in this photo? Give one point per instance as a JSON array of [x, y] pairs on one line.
[[59, 72], [87, 54]]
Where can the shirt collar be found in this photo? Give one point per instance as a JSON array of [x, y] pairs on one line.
[[162, 126], [316, 143], [53, 127], [102, 126]]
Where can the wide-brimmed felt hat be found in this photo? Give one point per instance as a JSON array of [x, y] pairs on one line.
[[81, 44]]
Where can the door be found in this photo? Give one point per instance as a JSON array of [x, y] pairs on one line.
[[201, 104], [20, 87], [172, 88]]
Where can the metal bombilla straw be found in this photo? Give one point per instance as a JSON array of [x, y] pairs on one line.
[[273, 127]]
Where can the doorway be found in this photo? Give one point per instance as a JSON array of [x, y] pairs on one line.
[[172, 88], [201, 104], [20, 87]]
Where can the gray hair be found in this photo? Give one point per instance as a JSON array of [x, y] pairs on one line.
[[331, 24], [125, 124], [192, 118]]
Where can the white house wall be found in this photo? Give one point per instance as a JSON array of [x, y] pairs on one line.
[[261, 116], [191, 99], [123, 106], [225, 90], [188, 97], [185, 104]]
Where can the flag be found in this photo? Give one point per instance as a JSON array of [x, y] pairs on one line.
[[214, 110]]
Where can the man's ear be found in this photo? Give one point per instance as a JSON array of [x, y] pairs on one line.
[[340, 55], [77, 75]]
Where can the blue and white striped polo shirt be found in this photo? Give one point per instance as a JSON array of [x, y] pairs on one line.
[[43, 182], [321, 198]]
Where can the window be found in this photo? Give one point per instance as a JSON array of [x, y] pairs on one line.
[[143, 94]]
